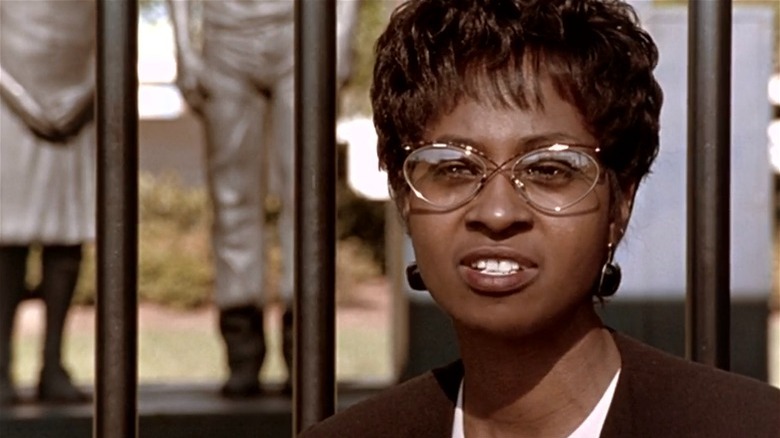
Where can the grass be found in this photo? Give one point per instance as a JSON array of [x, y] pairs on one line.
[[189, 355], [172, 355]]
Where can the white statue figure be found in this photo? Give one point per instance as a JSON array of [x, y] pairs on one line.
[[239, 78], [47, 158]]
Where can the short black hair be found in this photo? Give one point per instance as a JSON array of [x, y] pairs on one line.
[[433, 53]]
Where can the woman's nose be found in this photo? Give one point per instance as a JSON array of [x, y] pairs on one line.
[[498, 208]]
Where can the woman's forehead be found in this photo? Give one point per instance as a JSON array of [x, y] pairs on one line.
[[551, 119], [526, 85]]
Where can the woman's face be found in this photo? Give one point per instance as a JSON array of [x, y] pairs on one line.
[[559, 256]]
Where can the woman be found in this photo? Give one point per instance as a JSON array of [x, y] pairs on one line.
[[515, 134]]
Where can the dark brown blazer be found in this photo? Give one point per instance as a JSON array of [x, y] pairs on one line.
[[657, 395]]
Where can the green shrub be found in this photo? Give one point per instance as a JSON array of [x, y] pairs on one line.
[[174, 250]]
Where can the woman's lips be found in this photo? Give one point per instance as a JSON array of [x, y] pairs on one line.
[[493, 284], [497, 271]]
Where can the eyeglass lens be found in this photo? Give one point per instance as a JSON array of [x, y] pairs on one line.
[[551, 180]]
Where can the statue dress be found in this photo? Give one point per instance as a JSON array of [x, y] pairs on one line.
[[47, 169]]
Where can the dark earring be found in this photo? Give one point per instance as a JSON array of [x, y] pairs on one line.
[[414, 278], [610, 275]]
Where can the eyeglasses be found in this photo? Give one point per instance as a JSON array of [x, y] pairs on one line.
[[551, 178]]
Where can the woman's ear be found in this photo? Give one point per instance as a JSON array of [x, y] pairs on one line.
[[619, 223], [402, 205]]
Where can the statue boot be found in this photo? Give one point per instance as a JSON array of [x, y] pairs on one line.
[[13, 262], [244, 336], [60, 273]]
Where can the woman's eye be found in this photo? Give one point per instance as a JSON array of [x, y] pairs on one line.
[[549, 171], [455, 169]]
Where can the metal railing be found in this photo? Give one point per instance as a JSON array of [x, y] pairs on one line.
[[314, 367], [709, 131], [116, 413], [116, 360]]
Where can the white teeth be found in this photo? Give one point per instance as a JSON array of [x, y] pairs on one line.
[[496, 266]]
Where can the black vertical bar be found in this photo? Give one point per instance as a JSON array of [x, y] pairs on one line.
[[709, 130], [315, 177], [116, 388]]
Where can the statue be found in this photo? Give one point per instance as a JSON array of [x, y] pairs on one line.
[[239, 78], [46, 170]]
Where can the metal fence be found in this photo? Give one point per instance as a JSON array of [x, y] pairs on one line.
[[116, 412]]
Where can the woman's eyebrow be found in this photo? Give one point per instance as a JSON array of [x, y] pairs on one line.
[[447, 138], [548, 139], [523, 143]]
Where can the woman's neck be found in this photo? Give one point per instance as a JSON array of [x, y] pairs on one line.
[[541, 385]]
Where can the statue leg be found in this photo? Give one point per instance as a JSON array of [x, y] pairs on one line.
[[234, 119], [61, 264], [13, 263], [282, 154]]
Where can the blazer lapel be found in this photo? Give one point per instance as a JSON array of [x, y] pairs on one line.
[[440, 401], [633, 395]]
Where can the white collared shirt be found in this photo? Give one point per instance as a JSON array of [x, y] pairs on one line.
[[589, 428]]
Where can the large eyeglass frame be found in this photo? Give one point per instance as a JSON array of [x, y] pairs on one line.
[[489, 172]]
